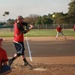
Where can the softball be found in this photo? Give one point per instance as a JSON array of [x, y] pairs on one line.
[[53, 16]]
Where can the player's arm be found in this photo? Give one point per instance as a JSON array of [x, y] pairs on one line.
[[30, 27], [22, 31], [21, 28], [26, 25]]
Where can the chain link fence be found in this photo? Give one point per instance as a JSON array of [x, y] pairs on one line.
[[53, 26], [40, 26]]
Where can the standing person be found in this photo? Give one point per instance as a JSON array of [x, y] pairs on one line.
[[59, 31], [4, 68], [18, 40], [74, 28]]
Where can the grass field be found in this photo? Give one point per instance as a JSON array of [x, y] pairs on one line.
[[37, 33]]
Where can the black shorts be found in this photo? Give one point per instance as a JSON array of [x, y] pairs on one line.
[[19, 47]]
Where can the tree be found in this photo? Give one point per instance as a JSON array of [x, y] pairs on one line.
[[73, 0], [71, 12], [5, 14], [58, 17], [71, 8], [46, 20], [31, 19], [39, 20], [10, 22]]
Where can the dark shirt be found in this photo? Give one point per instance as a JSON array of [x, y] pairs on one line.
[[21, 26]]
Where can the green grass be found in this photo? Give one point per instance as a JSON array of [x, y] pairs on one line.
[[69, 32], [38, 33], [6, 34], [41, 32], [50, 32]]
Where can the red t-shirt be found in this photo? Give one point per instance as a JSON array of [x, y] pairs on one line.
[[17, 38], [59, 29], [74, 27], [3, 56]]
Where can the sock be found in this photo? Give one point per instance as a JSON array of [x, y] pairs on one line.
[[24, 60], [13, 58]]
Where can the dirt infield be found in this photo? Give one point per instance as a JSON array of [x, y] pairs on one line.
[[56, 56]]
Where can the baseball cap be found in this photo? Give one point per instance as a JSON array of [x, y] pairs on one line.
[[1, 40], [19, 18]]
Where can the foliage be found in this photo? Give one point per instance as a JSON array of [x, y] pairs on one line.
[[10, 22], [2, 23], [44, 20], [71, 12], [39, 20], [5, 13], [31, 19], [59, 17]]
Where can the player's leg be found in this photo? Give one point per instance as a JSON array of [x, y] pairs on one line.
[[25, 60], [26, 63], [13, 58], [57, 35], [18, 48], [63, 35]]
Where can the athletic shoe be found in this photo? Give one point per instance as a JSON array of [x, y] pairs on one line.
[[10, 62], [27, 64], [56, 38]]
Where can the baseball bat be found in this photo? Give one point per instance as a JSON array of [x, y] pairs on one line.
[[29, 49]]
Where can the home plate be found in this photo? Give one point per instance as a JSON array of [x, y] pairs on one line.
[[39, 69]]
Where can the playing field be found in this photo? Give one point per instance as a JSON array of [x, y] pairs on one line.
[[56, 56], [37, 32]]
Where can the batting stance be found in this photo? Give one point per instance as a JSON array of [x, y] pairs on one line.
[[19, 32], [59, 31]]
